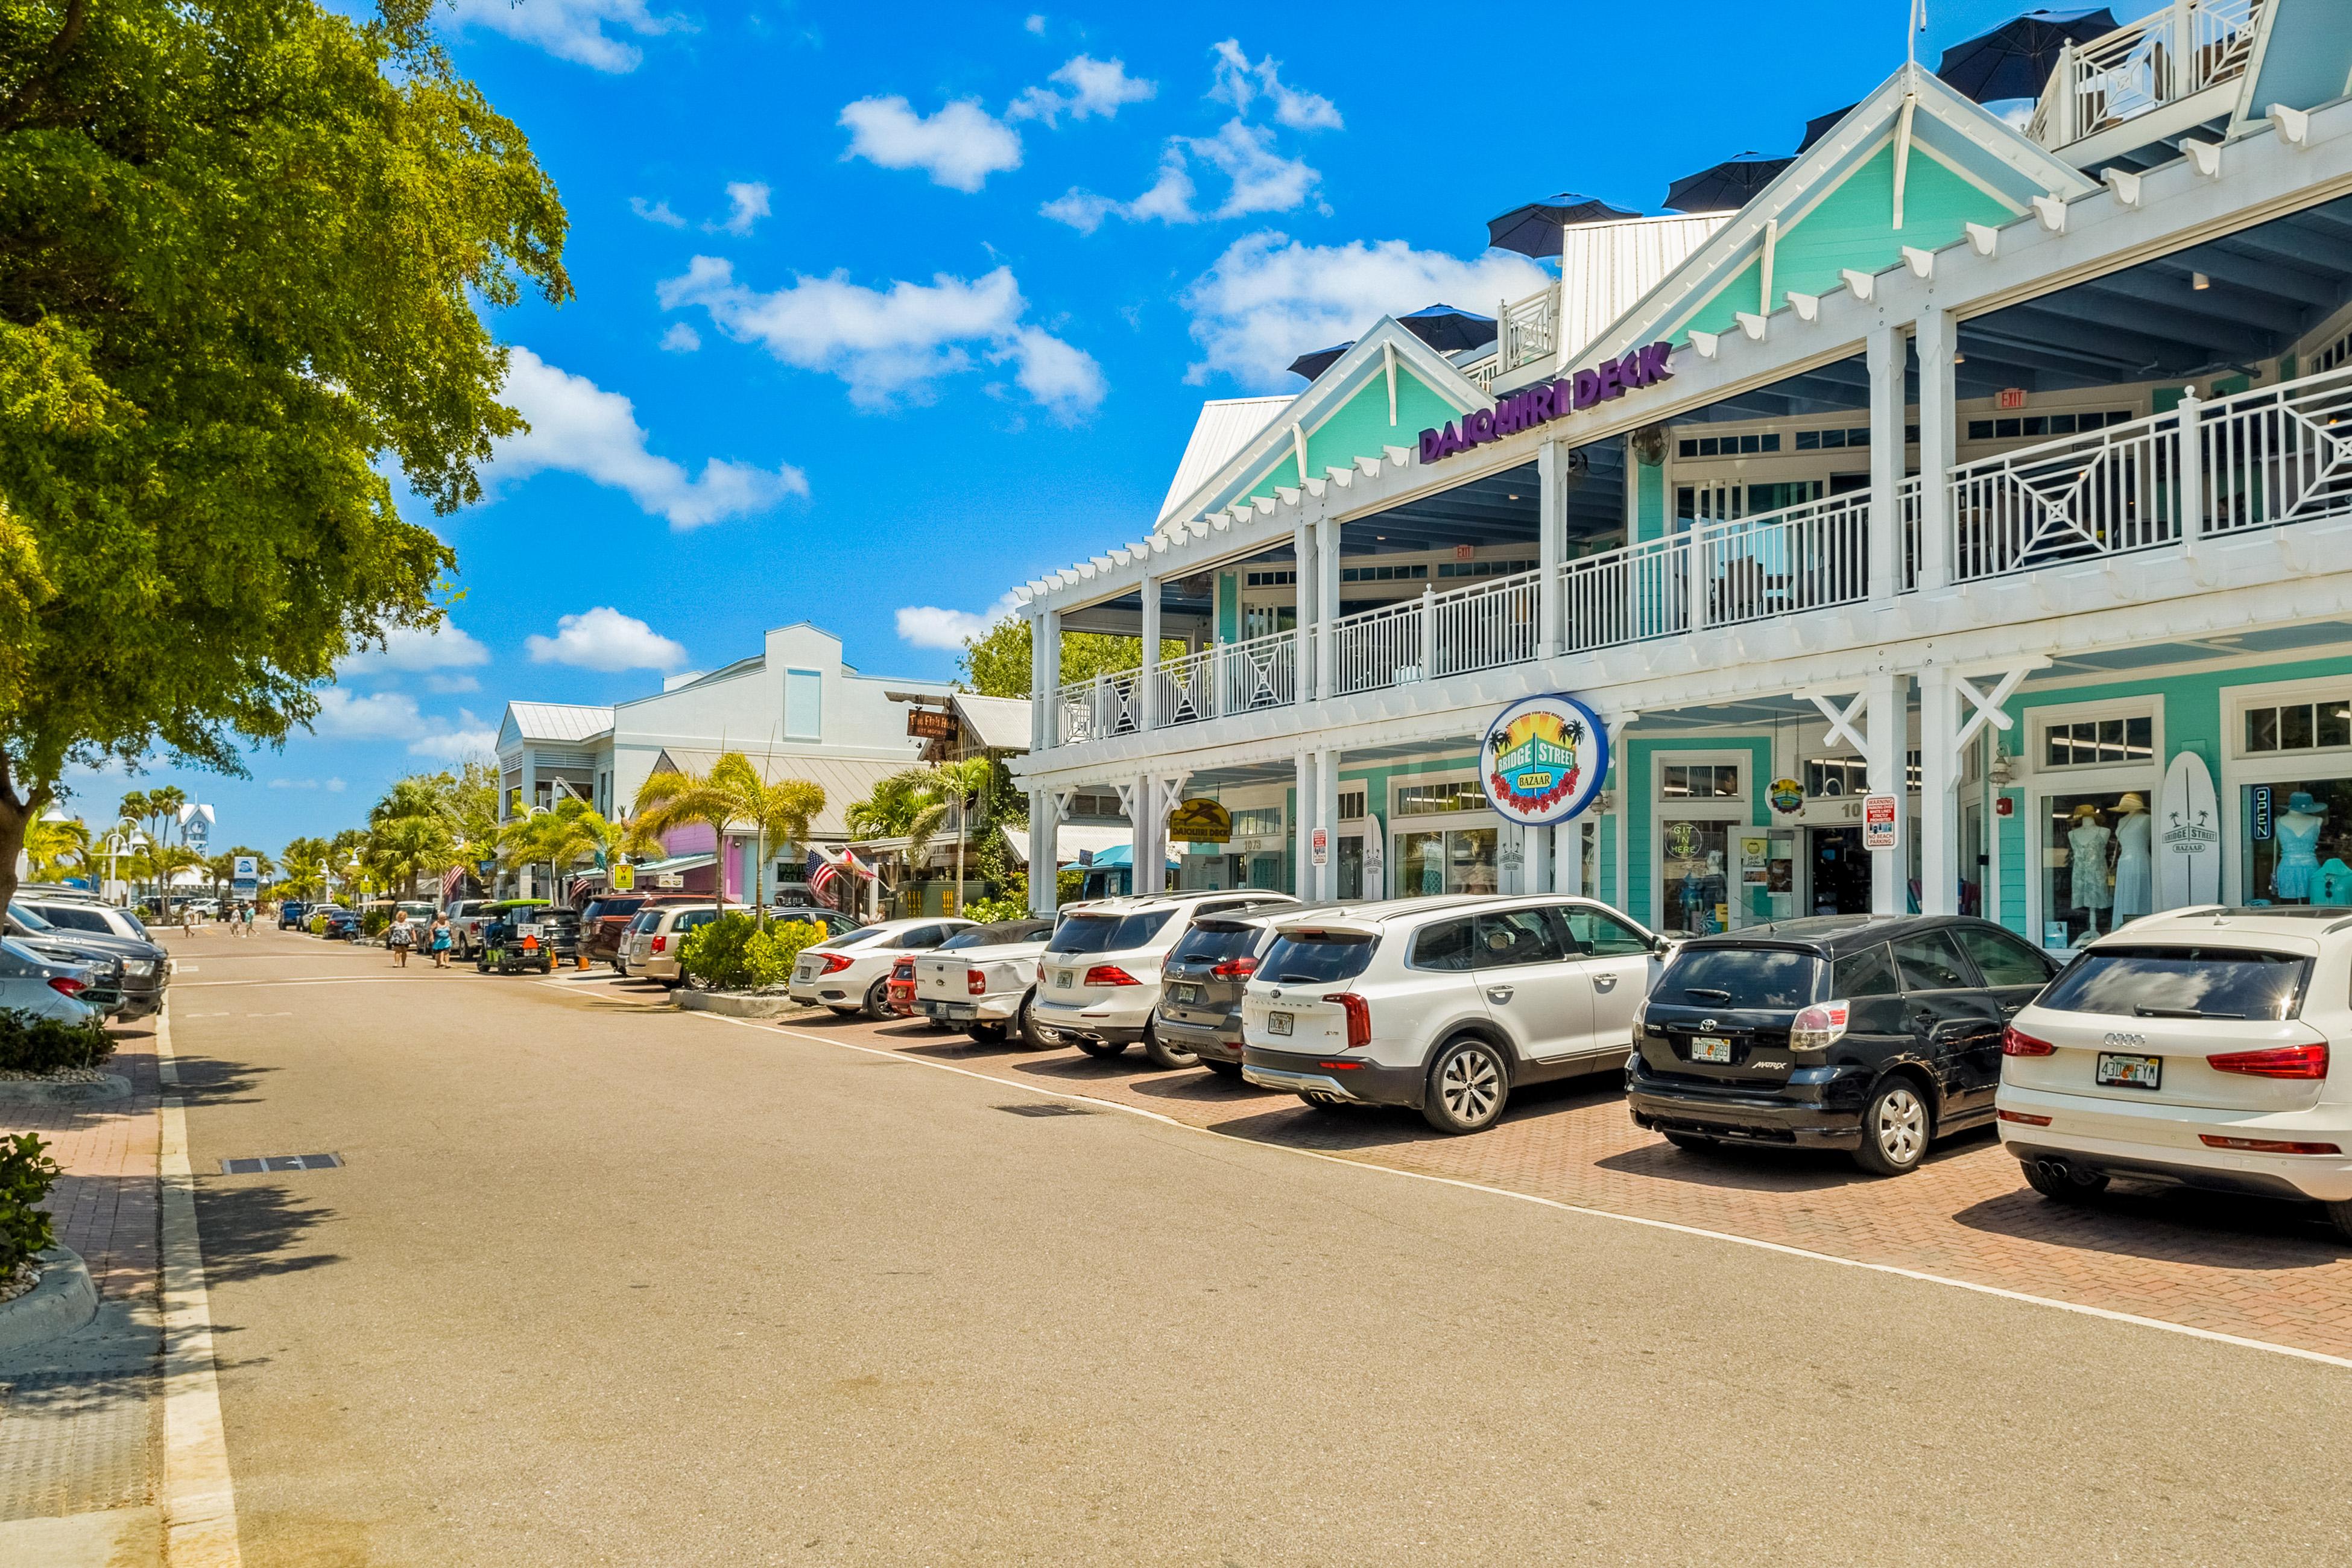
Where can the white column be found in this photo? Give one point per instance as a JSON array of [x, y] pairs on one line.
[[1327, 606], [1552, 509], [1302, 546], [1326, 817], [1885, 727], [1940, 801], [1568, 856], [1303, 828], [1049, 663], [1148, 692], [1144, 838], [1045, 858], [1889, 413], [1938, 339]]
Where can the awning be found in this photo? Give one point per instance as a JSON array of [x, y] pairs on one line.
[[1071, 838]]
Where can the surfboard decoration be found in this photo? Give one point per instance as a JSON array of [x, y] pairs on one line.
[[2188, 835]]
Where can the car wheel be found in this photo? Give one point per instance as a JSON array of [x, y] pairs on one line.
[[1326, 1104], [987, 1034], [1163, 1055], [1696, 1143], [1468, 1085], [2067, 1187], [1103, 1048], [1026, 1023], [877, 1000], [1895, 1128]]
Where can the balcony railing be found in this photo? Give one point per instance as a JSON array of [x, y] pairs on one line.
[[1528, 328], [2169, 55], [1096, 710]]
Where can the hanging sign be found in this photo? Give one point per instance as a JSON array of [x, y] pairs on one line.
[[1880, 822], [931, 724], [2263, 823], [1543, 759], [2189, 834], [1319, 847], [668, 879], [625, 878], [1200, 822], [1549, 400], [1787, 795]]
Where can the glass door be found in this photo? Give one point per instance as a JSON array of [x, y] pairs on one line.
[[1447, 860]]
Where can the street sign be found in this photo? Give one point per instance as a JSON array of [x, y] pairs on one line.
[[1880, 820], [669, 879], [1320, 846], [625, 878], [1199, 821], [243, 869], [931, 724]]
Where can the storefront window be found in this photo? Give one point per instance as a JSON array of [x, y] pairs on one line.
[[2096, 741], [2298, 842], [1449, 861], [1421, 800], [2097, 864], [1696, 896]]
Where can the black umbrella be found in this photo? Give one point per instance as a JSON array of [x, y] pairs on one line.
[[1534, 229], [1311, 366], [2015, 59], [1447, 329], [1820, 126], [1726, 186]]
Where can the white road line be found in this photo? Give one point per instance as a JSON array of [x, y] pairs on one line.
[[406, 979], [2075, 1307], [199, 1498]]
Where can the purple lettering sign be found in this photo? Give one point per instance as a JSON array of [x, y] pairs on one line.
[[1549, 400]]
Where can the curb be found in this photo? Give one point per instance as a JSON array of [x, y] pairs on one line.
[[63, 1301], [733, 1006], [33, 1092]]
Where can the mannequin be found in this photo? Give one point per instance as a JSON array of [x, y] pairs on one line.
[[2135, 863], [2298, 847], [2087, 843]]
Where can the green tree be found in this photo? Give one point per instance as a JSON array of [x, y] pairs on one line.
[[560, 838], [306, 866], [997, 664], [58, 848], [242, 248], [732, 794]]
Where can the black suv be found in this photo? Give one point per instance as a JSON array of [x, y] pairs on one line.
[[1872, 1033], [1204, 976]]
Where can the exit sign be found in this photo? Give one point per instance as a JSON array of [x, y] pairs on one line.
[[2009, 398]]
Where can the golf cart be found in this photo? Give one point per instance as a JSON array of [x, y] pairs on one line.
[[516, 937]]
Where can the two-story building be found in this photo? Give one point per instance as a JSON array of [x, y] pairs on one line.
[[1999, 471]]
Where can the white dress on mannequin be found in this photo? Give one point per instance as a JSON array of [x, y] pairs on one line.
[[2135, 864], [2087, 860]]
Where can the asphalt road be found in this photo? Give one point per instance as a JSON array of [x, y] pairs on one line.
[[602, 1284]]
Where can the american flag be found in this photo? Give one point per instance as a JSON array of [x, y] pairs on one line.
[[824, 873]]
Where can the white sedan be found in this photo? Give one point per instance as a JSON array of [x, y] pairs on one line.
[[851, 973], [44, 987]]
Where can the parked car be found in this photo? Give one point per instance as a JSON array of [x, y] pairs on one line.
[[100, 964], [519, 935], [851, 973], [833, 921], [899, 999], [1204, 977], [1873, 1033], [466, 919], [139, 969], [604, 922], [1445, 1004], [2194, 1048], [1099, 982], [655, 938], [291, 913], [43, 985], [84, 913], [341, 925], [983, 980]]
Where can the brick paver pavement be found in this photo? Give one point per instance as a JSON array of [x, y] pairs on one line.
[[2263, 1271], [104, 1203]]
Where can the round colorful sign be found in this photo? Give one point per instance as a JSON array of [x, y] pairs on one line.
[[1544, 760], [1788, 796]]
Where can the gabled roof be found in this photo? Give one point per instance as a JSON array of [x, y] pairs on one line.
[[845, 780], [553, 721], [1225, 427], [1832, 210]]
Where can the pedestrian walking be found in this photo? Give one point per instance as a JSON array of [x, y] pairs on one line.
[[440, 940], [400, 936]]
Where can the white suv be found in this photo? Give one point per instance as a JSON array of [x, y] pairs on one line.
[[1445, 1004], [2190, 1047], [1099, 981]]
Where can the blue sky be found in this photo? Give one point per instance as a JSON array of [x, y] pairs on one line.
[[882, 310]]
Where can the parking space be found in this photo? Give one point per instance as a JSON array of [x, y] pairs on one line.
[[2260, 1270]]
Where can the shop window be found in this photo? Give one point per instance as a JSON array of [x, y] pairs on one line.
[[1093, 802], [1423, 799], [1694, 898], [1269, 579], [2298, 840], [2097, 864], [1729, 445], [1351, 805], [1483, 568], [2096, 743], [1264, 620], [2299, 726], [1699, 781], [1257, 822], [1448, 860], [1833, 441], [1409, 573]]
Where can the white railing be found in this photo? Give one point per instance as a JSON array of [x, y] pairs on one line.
[[1387, 647], [1187, 688], [1098, 708], [2280, 454], [1802, 557], [1628, 595], [1528, 329], [2172, 53], [1487, 626], [1260, 673], [1481, 373]]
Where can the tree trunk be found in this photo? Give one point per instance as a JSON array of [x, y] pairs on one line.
[[16, 820]]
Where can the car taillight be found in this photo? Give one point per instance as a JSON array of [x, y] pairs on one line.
[[67, 986], [661, 945], [835, 963], [1110, 974], [2279, 1061], [2015, 1042], [1359, 1018], [2265, 1145], [2030, 1121], [1818, 1027], [975, 982], [1235, 969]]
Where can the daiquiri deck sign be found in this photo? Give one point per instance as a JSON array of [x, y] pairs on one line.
[[1549, 400], [1544, 760]]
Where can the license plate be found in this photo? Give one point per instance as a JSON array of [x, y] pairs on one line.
[[1183, 993], [1277, 1022], [2119, 1071], [1063, 980], [1710, 1048], [805, 972], [531, 930], [960, 1010]]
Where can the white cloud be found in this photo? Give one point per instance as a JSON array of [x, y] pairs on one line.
[[1096, 88], [751, 204], [1035, 24], [1270, 299], [603, 638], [680, 339], [445, 647], [1261, 180], [894, 342], [570, 29], [927, 625], [334, 786], [463, 744], [293, 784], [1241, 83], [376, 716], [449, 685], [577, 427], [655, 211], [959, 147]]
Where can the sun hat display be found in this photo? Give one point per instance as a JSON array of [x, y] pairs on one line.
[[2301, 801], [2131, 802]]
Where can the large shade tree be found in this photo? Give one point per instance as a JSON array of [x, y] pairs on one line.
[[242, 245]]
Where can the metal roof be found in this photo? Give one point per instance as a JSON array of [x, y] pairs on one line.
[[558, 721], [1226, 425], [996, 723], [845, 780]]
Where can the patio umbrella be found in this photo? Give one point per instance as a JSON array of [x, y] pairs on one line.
[[1725, 187], [1822, 125], [2015, 59], [1535, 229], [1311, 366], [1447, 329]]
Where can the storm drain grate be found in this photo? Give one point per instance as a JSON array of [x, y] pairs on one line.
[[1050, 1108], [268, 1163]]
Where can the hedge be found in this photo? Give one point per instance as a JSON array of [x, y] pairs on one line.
[[26, 1174], [733, 953], [29, 1043]]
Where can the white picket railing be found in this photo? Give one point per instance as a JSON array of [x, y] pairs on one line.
[[1800, 557], [2106, 493], [1095, 710], [2280, 454], [1387, 647], [1528, 328], [1628, 595], [2168, 54], [1187, 688], [1487, 626], [1260, 673]]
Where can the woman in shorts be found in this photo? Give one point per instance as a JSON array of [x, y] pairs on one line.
[[400, 936]]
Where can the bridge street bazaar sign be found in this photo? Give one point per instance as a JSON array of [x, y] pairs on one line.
[[1543, 759], [1549, 400]]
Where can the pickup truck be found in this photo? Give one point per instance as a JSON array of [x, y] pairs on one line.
[[466, 919]]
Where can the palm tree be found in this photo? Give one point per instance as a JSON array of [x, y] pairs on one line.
[[671, 798], [915, 803], [55, 847], [570, 832], [164, 861], [781, 812]]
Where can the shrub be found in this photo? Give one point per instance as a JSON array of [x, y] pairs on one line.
[[733, 953], [33, 1044], [26, 1173], [374, 922], [988, 912]]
